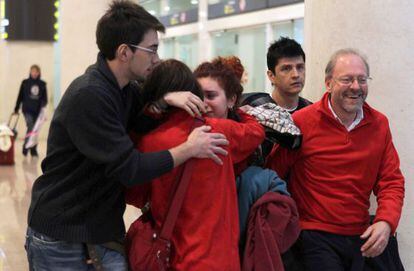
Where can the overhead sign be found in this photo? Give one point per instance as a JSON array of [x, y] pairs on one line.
[[277, 3], [233, 7], [179, 18]]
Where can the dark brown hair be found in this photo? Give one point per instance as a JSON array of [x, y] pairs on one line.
[[124, 22], [284, 47], [169, 76]]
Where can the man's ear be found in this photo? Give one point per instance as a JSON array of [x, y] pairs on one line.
[[328, 84], [270, 75], [123, 52]]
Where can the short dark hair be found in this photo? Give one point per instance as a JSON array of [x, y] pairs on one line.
[[220, 70], [124, 22], [284, 47], [169, 76]]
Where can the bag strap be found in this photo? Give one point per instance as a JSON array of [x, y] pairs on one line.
[[179, 194]]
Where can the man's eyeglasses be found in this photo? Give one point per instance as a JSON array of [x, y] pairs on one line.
[[348, 80], [148, 50]]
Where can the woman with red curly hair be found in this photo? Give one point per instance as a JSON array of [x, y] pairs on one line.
[[206, 233], [220, 82]]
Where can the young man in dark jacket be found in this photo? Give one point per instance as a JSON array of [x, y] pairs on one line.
[[33, 97], [78, 203]]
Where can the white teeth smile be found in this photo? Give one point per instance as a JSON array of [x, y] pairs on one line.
[[354, 96]]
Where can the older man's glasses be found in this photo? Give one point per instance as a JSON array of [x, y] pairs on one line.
[[348, 80], [148, 50]]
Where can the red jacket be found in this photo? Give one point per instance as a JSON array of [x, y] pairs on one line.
[[206, 232], [332, 175], [272, 229]]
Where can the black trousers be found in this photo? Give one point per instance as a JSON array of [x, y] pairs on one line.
[[30, 122], [332, 252]]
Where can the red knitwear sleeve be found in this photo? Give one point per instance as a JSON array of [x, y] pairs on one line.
[[389, 187], [281, 160], [244, 136]]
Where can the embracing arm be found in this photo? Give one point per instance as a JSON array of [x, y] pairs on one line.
[[244, 136], [98, 133], [96, 130]]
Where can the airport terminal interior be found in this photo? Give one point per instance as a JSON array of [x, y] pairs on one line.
[[63, 45]]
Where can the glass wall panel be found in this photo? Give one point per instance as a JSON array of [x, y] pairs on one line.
[[166, 7], [298, 26], [292, 29], [166, 49], [250, 46], [187, 50], [184, 48]]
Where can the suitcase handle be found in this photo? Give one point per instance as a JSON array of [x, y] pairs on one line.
[[15, 122]]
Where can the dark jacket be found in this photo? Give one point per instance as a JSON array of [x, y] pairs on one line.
[[273, 227], [90, 158], [32, 95]]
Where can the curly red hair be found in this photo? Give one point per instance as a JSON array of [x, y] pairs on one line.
[[222, 70], [235, 64]]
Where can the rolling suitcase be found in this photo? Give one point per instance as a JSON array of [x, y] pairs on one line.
[[7, 156]]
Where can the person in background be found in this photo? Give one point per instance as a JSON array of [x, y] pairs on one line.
[[347, 153], [286, 72], [78, 202], [33, 97]]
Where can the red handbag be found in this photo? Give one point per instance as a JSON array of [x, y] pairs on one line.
[[148, 248]]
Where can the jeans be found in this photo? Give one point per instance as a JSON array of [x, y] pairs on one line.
[[46, 253]]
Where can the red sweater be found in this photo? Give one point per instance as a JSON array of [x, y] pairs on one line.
[[273, 228], [207, 231], [334, 172]]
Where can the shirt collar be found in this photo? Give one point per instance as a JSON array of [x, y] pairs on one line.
[[359, 117]]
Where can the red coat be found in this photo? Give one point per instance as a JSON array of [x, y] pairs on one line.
[[272, 229], [332, 175], [206, 233]]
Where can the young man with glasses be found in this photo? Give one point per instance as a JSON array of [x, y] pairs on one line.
[[346, 154], [77, 206]]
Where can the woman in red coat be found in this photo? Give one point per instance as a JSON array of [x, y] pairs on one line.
[[206, 233]]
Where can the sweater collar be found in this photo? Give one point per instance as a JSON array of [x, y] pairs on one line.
[[359, 116], [103, 68]]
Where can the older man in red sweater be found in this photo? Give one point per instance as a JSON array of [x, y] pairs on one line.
[[347, 152]]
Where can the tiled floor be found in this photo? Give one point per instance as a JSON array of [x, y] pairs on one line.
[[15, 189]]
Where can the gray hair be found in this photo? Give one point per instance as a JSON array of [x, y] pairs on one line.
[[334, 58]]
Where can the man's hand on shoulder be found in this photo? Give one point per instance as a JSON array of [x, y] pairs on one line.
[[204, 144], [200, 144], [377, 236]]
